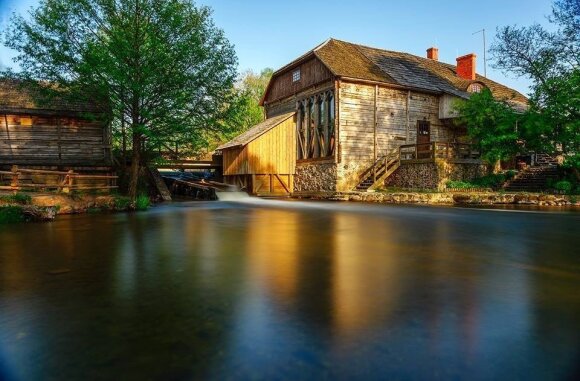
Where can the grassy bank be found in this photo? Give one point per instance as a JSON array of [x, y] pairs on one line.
[[23, 207]]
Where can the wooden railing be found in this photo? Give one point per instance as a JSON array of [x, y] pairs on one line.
[[438, 150], [64, 182], [384, 166]]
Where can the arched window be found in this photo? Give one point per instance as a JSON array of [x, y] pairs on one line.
[[475, 87]]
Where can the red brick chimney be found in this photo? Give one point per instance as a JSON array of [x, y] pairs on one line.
[[433, 53], [466, 66]]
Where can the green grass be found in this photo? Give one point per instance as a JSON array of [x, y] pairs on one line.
[[11, 214], [18, 198], [142, 202], [122, 203]]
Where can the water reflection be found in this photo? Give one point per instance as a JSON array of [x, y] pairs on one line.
[[291, 291]]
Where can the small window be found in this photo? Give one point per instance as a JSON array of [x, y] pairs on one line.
[[296, 75], [475, 88]]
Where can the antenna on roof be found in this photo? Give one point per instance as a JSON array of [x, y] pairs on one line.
[[484, 59]]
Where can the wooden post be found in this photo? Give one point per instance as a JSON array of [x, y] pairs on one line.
[[69, 179], [15, 176], [407, 116], [375, 122]]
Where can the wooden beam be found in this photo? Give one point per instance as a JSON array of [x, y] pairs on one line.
[[282, 182], [375, 123], [407, 115]]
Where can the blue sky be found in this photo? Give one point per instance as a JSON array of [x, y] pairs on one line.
[[274, 32]]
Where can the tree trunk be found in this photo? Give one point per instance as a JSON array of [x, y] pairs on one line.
[[496, 167], [135, 165]]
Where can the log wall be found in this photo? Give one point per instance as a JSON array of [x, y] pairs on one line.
[[53, 141]]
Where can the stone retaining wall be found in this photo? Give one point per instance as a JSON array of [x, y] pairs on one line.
[[448, 198], [433, 175], [315, 177]]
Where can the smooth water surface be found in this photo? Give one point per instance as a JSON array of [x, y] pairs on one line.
[[279, 290]]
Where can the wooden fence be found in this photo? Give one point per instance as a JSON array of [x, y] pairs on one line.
[[65, 182]]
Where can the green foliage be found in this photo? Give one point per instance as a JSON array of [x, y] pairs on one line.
[[492, 124], [18, 198], [122, 203], [162, 69], [142, 202], [564, 186], [11, 214], [572, 162], [459, 184], [494, 181], [552, 60], [246, 112]]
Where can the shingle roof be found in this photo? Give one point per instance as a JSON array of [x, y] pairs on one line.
[[256, 131], [345, 59], [14, 97]]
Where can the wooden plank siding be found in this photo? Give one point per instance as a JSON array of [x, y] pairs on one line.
[[397, 113], [53, 141], [312, 72], [274, 152]]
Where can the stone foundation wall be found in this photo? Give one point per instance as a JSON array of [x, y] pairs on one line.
[[433, 175], [311, 177], [349, 174], [414, 176]]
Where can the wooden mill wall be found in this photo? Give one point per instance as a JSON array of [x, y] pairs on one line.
[[267, 164], [396, 116], [288, 104], [312, 72], [53, 141]]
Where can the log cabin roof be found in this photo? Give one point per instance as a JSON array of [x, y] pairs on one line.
[[17, 98], [352, 61], [256, 131]]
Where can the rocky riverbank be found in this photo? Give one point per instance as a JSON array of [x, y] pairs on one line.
[[45, 207], [444, 198]]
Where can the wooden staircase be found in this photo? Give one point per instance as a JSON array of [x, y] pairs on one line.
[[379, 171], [533, 179]]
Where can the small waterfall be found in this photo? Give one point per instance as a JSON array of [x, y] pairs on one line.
[[233, 196]]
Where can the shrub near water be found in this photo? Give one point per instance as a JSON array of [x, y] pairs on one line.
[[564, 186], [18, 198], [494, 181], [142, 202], [11, 214]]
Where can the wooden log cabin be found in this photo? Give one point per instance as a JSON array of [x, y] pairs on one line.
[[360, 114], [56, 135]]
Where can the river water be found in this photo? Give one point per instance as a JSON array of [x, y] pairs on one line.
[[281, 290]]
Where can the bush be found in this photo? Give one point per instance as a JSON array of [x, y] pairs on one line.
[[11, 214], [491, 181], [564, 186], [459, 184], [142, 202], [122, 203], [494, 181], [18, 198]]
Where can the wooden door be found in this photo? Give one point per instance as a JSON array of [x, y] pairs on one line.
[[423, 139]]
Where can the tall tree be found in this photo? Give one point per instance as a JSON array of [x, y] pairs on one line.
[[551, 59], [492, 124], [163, 67]]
